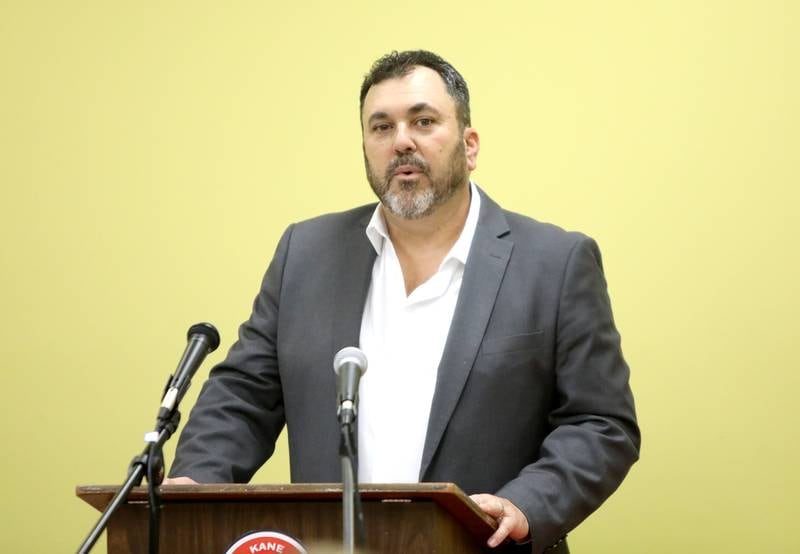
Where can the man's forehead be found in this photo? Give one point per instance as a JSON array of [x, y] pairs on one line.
[[421, 85]]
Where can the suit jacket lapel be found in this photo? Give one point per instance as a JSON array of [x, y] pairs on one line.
[[352, 278], [483, 273]]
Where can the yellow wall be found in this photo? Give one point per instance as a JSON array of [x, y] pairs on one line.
[[152, 152]]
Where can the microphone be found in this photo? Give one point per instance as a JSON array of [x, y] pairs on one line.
[[203, 339], [350, 364]]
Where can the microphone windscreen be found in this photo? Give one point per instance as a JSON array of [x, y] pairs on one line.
[[350, 354], [208, 330]]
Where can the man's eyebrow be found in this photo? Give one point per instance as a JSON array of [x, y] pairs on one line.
[[377, 115], [422, 107]]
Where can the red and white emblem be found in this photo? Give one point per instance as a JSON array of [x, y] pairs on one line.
[[266, 541]]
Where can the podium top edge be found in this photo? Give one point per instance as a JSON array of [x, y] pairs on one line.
[[448, 495], [100, 495]]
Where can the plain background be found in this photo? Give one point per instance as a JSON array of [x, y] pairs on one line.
[[151, 153]]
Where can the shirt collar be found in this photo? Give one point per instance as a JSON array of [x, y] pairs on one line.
[[378, 234]]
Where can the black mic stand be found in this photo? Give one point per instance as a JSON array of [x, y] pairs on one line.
[[151, 463], [352, 514], [203, 339]]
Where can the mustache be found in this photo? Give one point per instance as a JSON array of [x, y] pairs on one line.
[[408, 159]]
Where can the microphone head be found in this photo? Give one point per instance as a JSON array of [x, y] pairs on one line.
[[207, 330], [350, 354]]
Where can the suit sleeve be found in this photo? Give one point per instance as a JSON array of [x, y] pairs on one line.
[[594, 437], [239, 413]]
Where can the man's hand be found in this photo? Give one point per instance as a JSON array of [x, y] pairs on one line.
[[179, 481], [511, 522]]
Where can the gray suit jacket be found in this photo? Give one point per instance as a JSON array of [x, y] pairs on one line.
[[532, 401]]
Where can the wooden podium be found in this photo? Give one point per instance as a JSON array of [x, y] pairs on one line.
[[199, 519]]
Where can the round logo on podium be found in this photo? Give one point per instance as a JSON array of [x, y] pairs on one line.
[[256, 542]]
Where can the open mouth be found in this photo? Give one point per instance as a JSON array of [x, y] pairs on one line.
[[406, 171]]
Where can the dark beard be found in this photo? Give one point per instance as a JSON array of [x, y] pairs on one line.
[[410, 202]]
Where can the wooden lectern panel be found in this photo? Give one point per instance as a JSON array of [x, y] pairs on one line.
[[425, 517]]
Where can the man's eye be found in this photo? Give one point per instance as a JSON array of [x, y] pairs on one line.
[[425, 122], [381, 127]]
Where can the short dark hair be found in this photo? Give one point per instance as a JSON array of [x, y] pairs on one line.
[[399, 64]]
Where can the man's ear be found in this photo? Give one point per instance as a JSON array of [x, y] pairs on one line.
[[472, 145]]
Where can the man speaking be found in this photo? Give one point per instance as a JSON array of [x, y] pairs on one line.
[[494, 361]]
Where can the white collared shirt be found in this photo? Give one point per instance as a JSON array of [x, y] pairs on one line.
[[403, 338]]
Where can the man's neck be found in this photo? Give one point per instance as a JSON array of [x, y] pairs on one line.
[[421, 244]]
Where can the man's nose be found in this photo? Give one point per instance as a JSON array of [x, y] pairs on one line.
[[403, 141]]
